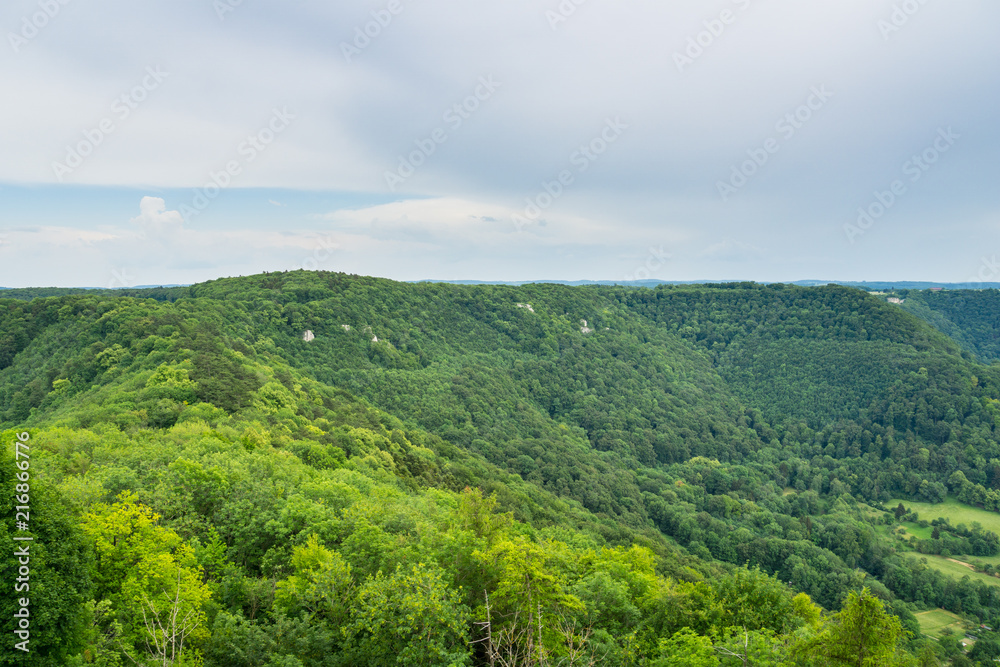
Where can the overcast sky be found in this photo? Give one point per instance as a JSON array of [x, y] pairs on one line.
[[770, 140]]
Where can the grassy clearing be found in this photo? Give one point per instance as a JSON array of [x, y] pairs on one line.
[[954, 511], [934, 621], [917, 531], [991, 560], [955, 569]]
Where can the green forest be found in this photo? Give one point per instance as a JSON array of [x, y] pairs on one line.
[[313, 469]]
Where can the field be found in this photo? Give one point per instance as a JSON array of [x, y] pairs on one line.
[[934, 621], [956, 569], [955, 512], [918, 532]]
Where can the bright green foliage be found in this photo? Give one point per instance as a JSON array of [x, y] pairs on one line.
[[481, 515], [409, 618], [123, 534], [321, 585], [529, 602], [673, 606], [151, 578], [755, 601], [172, 607], [761, 648], [686, 649], [805, 611], [862, 634]]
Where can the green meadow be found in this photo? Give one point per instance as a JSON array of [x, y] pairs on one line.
[[934, 621], [956, 513], [951, 509]]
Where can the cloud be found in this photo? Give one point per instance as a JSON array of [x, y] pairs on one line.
[[155, 218], [657, 184], [451, 220]]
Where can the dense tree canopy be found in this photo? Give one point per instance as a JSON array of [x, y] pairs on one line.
[[456, 475]]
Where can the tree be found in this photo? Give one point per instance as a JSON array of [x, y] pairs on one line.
[[740, 647], [529, 598], [152, 579], [171, 622], [322, 585], [686, 649], [408, 618], [755, 601], [986, 650], [862, 634]]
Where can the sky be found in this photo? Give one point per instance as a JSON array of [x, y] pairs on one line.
[[767, 140]]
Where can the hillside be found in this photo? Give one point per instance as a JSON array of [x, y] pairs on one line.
[[602, 462], [971, 317]]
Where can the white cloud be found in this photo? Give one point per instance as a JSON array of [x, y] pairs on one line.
[[447, 220], [154, 217]]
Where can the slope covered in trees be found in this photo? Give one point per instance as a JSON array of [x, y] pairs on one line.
[[971, 317], [451, 474]]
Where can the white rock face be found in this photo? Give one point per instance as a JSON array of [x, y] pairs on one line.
[[347, 327], [526, 305], [584, 328], [308, 335]]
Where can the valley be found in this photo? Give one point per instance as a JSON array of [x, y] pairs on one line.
[[438, 471]]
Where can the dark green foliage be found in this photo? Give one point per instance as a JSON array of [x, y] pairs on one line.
[[971, 317], [58, 584]]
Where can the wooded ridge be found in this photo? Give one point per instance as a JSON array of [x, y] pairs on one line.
[[311, 468]]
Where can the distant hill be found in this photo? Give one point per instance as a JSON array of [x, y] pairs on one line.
[[971, 317], [867, 285]]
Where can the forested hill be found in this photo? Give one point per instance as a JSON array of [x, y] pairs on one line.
[[323, 469], [971, 317]]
